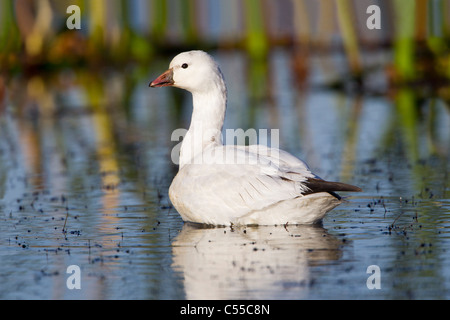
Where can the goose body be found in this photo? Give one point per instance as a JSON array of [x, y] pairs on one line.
[[237, 185]]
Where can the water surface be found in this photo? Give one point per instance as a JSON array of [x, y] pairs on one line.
[[85, 169]]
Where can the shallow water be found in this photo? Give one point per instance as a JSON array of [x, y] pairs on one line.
[[88, 187]]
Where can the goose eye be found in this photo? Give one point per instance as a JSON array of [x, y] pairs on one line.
[[184, 66]]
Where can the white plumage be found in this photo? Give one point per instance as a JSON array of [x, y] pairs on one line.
[[232, 185]]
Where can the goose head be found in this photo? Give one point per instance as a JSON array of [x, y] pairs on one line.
[[195, 71]]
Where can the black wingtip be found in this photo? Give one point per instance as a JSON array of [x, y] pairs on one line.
[[315, 185]]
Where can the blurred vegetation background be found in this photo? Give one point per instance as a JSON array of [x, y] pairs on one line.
[[34, 36]]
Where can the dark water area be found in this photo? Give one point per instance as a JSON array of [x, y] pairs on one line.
[[85, 165]]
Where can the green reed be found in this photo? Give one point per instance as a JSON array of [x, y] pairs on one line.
[[109, 35], [10, 41]]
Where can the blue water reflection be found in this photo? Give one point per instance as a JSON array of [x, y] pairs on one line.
[[85, 182]]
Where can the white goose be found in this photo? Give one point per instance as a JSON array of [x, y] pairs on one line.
[[237, 185]]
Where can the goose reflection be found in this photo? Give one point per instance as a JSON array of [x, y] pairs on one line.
[[252, 262]]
